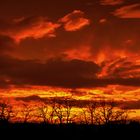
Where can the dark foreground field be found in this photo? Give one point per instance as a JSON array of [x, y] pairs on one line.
[[71, 131]]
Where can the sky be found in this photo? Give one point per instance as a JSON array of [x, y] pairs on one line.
[[85, 48]]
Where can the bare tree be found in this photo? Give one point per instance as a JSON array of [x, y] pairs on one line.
[[49, 111], [68, 108], [91, 108], [91, 114], [52, 111], [85, 115], [109, 113], [26, 112], [59, 112], [44, 113], [121, 116], [6, 112]]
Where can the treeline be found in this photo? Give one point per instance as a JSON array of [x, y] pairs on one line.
[[95, 113]]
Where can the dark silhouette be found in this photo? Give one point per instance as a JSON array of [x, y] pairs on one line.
[[6, 112], [26, 113], [108, 113], [100, 119]]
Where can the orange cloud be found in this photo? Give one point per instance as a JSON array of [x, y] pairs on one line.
[[129, 11], [122, 67], [38, 27], [103, 20], [74, 21], [83, 54], [30, 28], [111, 2]]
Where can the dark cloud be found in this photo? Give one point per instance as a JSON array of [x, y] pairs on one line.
[[60, 100], [31, 98], [130, 105], [74, 73], [115, 38], [58, 72], [6, 44], [3, 83], [107, 36], [127, 105]]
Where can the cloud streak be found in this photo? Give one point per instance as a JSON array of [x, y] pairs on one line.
[[74, 21], [128, 11], [127, 105], [111, 2], [39, 27], [32, 27]]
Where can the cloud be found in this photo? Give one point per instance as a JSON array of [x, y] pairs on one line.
[[58, 73], [74, 21], [111, 2], [61, 73], [3, 83], [59, 100], [103, 21], [32, 27], [122, 68], [31, 98], [6, 44], [129, 104], [120, 37], [39, 27], [129, 11]]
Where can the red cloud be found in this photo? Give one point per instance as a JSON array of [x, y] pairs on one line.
[[129, 11], [111, 2], [30, 27], [38, 27], [74, 21]]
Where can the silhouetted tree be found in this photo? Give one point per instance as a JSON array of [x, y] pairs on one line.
[[6, 112], [26, 112], [92, 110], [52, 111], [45, 113], [108, 113], [91, 114], [85, 116], [59, 112], [67, 106]]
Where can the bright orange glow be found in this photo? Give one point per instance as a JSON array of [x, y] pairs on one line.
[[20, 96]]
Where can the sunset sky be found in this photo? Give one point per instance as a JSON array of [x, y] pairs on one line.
[[85, 50]]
